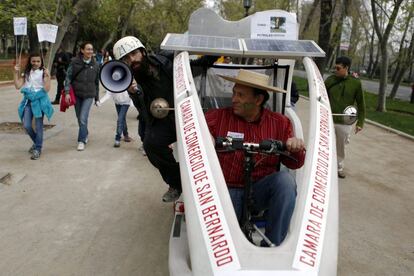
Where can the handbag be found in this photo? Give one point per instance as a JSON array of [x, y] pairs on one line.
[[63, 104]]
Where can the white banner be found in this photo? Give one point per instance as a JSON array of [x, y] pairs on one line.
[[47, 32], [346, 33], [20, 25], [274, 24], [216, 233]]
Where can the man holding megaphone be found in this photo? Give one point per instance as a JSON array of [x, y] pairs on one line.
[[148, 77], [149, 82]]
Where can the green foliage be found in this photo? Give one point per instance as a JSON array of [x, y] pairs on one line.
[[152, 22]]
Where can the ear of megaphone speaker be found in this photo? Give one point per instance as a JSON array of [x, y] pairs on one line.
[[116, 76]]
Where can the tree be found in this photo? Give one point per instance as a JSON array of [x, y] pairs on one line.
[[407, 59], [324, 37], [383, 36], [309, 18]]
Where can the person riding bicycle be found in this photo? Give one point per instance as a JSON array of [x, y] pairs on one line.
[[249, 120]]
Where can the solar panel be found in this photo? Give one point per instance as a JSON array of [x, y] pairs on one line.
[[199, 44], [281, 48], [247, 47]]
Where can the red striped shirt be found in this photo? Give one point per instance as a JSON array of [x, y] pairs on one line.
[[270, 125]]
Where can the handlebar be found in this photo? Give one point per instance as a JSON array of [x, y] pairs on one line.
[[265, 146]]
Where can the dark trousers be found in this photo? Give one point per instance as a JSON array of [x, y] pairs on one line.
[[141, 128], [158, 136], [60, 84]]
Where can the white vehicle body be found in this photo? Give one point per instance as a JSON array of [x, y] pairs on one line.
[[206, 238]]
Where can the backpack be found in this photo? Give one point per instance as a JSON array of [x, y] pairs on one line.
[[164, 59]]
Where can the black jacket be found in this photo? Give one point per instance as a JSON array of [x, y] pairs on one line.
[[84, 78]]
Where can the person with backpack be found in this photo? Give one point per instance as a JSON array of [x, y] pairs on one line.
[[154, 74], [83, 76], [344, 90]]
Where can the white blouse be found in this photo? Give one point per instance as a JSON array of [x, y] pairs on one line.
[[35, 80]]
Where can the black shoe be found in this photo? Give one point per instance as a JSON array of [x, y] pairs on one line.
[[171, 195], [55, 102], [341, 174], [32, 148], [35, 155]]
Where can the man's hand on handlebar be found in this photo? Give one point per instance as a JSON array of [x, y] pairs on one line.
[[294, 144]]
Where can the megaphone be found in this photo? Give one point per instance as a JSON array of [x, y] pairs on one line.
[[116, 76]]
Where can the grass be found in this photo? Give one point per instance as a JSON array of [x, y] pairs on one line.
[[399, 115], [6, 74]]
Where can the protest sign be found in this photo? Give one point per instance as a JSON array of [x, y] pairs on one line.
[[20, 25], [47, 32]]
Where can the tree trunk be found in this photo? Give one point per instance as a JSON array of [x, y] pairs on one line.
[[309, 18], [336, 37], [325, 24], [371, 54], [412, 93], [64, 24], [406, 61], [355, 37], [375, 65], [381, 105], [69, 41], [383, 40]]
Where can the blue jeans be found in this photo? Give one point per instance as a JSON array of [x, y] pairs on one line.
[[82, 108], [36, 136], [275, 193], [121, 124]]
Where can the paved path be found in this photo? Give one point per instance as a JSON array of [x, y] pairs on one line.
[[99, 212]]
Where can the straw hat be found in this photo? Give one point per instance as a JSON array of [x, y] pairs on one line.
[[253, 79]]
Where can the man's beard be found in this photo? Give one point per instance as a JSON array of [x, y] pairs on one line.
[[141, 69]]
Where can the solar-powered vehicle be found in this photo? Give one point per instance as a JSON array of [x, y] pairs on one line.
[[206, 238]]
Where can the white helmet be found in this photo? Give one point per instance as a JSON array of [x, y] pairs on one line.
[[126, 45]]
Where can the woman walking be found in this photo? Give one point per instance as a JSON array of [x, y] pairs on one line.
[[83, 76], [35, 81]]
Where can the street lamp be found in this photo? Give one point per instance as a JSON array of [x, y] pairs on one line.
[[247, 4]]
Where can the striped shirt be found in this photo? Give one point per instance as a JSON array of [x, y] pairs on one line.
[[223, 122]]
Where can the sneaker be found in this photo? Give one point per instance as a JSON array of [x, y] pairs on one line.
[[86, 140], [35, 155], [341, 174], [81, 146], [171, 195], [32, 148], [127, 139], [117, 144]]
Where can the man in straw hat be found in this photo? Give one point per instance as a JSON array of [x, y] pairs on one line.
[[250, 120]]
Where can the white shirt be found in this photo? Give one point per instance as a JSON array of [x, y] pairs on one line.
[[35, 80], [119, 98]]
